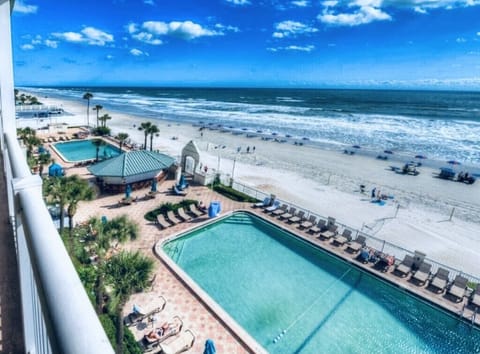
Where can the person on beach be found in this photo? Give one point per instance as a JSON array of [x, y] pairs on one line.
[[248, 149], [373, 192]]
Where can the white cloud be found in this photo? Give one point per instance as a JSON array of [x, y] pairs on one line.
[[292, 28], [27, 47], [137, 52], [88, 35], [149, 2], [307, 48], [23, 8], [187, 30], [109, 57], [51, 44], [360, 12], [239, 2], [301, 3]]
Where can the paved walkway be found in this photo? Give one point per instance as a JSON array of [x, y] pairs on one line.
[[11, 328]]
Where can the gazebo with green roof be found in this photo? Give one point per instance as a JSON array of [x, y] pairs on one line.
[[136, 168]]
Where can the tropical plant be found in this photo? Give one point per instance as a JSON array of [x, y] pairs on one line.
[[122, 137], [153, 130], [145, 126], [126, 273], [43, 159], [88, 96], [98, 143], [29, 138], [66, 192], [98, 108], [104, 119]]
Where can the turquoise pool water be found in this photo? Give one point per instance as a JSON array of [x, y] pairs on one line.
[[269, 281], [80, 150]]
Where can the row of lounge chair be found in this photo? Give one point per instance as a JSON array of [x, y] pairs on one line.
[[415, 265], [170, 218]]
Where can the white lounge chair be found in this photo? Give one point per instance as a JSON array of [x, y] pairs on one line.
[[138, 314], [357, 244], [173, 218], [440, 280], [423, 273], [342, 239], [181, 212], [162, 221], [308, 223], [457, 289], [181, 343]]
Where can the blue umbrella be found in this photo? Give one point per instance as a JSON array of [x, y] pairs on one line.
[[154, 185], [128, 191], [209, 347]]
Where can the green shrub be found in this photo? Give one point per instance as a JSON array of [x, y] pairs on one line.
[[101, 131], [233, 194], [130, 345]]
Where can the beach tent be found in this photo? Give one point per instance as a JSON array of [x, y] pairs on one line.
[[55, 170]]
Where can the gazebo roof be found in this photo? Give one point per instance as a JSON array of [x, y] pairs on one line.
[[132, 163]]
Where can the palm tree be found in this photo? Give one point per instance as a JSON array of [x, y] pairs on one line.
[[97, 108], [153, 131], [43, 159], [145, 126], [29, 138], [104, 119], [97, 143], [127, 273], [121, 137], [88, 96]]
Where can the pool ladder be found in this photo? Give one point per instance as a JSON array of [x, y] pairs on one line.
[[474, 316]]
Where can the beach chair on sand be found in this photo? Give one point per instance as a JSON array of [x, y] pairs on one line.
[[153, 339], [423, 273], [342, 239], [308, 223], [298, 217], [319, 227], [458, 287], [475, 297], [405, 267], [138, 314], [164, 224], [173, 218], [440, 280], [357, 244], [181, 212], [183, 342], [282, 209]]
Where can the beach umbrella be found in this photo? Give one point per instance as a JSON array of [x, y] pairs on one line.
[[128, 191], [209, 347], [154, 185], [453, 162], [55, 170]]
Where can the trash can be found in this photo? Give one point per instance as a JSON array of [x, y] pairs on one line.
[[214, 209]]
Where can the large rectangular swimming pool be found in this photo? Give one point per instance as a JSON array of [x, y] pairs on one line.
[[292, 297], [81, 150]]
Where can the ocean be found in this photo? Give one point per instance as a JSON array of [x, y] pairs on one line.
[[442, 126]]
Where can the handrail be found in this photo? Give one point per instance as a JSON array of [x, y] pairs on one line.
[[71, 323]]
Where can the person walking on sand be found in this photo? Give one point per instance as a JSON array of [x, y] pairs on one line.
[[373, 192]]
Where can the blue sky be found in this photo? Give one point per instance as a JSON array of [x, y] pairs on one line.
[[266, 43]]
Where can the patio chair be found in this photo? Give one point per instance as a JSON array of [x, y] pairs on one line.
[[329, 233], [440, 280], [405, 267], [298, 217], [458, 287], [138, 314], [164, 224], [342, 239], [308, 223], [319, 227], [181, 212], [173, 218], [280, 211], [357, 244], [181, 343], [288, 214], [196, 211], [266, 202], [423, 273], [153, 339], [271, 208], [475, 297], [176, 191]]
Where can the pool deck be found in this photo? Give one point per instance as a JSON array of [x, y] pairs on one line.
[[181, 300]]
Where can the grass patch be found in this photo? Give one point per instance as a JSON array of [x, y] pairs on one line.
[[163, 208], [233, 194]]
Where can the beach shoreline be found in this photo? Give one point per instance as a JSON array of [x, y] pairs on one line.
[[416, 216]]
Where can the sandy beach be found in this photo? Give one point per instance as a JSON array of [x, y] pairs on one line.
[[416, 216]]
